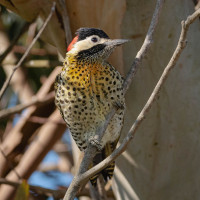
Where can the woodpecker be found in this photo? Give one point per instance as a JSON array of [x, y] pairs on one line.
[[86, 90]]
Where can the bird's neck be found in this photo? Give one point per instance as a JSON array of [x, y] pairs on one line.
[[89, 65]]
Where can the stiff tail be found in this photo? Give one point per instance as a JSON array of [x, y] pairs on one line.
[[109, 170]]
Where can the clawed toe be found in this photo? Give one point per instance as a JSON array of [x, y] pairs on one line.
[[96, 143], [118, 105]]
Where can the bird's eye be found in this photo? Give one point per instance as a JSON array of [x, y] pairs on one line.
[[94, 39]]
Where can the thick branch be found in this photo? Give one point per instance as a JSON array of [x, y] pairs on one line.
[[5, 85], [35, 101], [91, 150]]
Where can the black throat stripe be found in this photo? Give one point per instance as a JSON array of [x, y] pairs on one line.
[[90, 52]]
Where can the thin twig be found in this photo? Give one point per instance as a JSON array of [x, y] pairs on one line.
[[34, 51], [5, 85], [181, 45], [65, 18], [34, 101], [101, 188], [93, 192], [14, 41], [58, 194], [39, 190], [145, 46], [91, 150]]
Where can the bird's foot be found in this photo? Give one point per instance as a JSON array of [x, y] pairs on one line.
[[96, 143], [118, 105]]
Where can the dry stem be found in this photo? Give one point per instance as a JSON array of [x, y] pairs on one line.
[[35, 101], [18, 35], [65, 17]]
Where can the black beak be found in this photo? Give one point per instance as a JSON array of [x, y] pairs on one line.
[[116, 42]]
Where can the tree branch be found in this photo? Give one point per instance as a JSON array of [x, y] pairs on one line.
[[37, 189], [43, 120], [14, 41], [145, 46], [101, 188], [57, 194], [91, 150], [35, 101], [65, 18], [5, 85]]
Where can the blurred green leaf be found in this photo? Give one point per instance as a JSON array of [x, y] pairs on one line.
[[22, 191]]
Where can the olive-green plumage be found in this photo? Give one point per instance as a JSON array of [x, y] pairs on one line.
[[86, 90]]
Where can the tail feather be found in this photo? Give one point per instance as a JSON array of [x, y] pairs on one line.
[[97, 159], [109, 170], [93, 179]]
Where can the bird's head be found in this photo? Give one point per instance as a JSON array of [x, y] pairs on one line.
[[92, 44]]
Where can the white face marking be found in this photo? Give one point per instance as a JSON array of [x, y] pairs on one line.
[[87, 43]]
